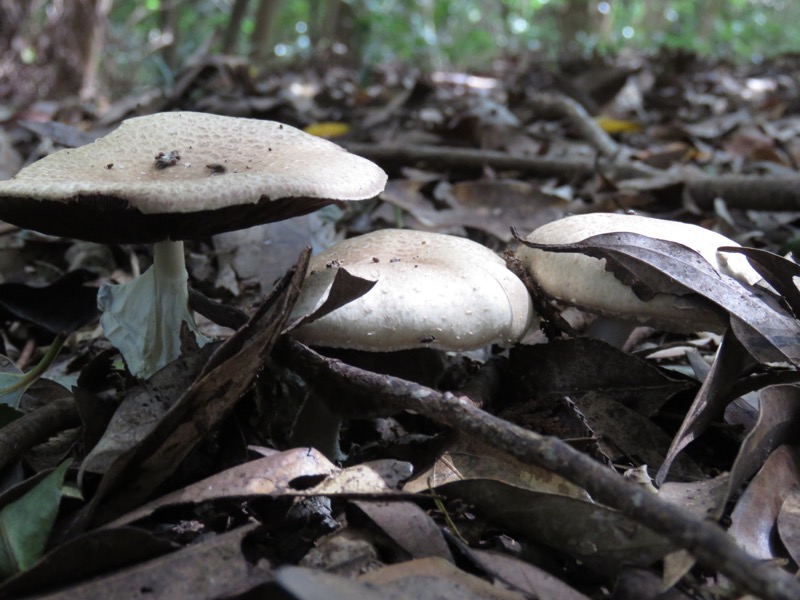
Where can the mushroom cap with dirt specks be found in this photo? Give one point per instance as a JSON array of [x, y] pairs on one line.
[[432, 291], [582, 280], [163, 170]]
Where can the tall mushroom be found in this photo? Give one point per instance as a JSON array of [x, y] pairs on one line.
[[432, 291], [582, 280], [168, 177]]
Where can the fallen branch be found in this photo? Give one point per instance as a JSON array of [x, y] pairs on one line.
[[758, 192], [37, 427], [710, 545], [469, 158], [589, 130]]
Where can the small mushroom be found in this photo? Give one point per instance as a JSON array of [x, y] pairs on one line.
[[160, 190], [432, 291], [582, 280]]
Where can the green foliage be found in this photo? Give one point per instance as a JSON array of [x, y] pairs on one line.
[[26, 523], [466, 33]]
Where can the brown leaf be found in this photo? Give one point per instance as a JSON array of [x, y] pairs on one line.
[[468, 458], [141, 408], [576, 366], [213, 568], [789, 524], [754, 518], [778, 423], [87, 555], [591, 533], [524, 576], [65, 305], [281, 474], [624, 434], [345, 288], [408, 526], [776, 270], [729, 364], [434, 578]]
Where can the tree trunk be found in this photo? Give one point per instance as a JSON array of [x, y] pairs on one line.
[[261, 39], [168, 18], [97, 40], [230, 41]]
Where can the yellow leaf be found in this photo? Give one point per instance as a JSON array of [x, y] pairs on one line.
[[612, 126], [327, 129]]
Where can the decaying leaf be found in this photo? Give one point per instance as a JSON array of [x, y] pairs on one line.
[[778, 421], [754, 519], [577, 366], [731, 361], [625, 435], [467, 459], [282, 473], [90, 554], [594, 534], [408, 526], [215, 567], [525, 576], [142, 408], [789, 524]]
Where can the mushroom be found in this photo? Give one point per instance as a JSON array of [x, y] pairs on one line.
[[582, 280], [432, 291], [168, 177]]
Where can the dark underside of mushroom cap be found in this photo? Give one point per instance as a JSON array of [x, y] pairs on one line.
[[109, 220]]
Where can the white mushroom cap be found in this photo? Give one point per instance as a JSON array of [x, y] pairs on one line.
[[160, 175], [582, 280], [433, 290]]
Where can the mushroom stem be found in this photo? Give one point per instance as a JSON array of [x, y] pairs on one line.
[[611, 330], [143, 318], [317, 426], [170, 263]]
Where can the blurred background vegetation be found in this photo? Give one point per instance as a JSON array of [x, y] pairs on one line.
[[52, 48]]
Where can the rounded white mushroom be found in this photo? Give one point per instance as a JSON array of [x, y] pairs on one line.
[[582, 280], [168, 177], [433, 290]]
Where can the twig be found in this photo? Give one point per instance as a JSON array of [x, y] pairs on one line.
[[587, 127], [710, 545], [468, 158], [759, 192], [766, 192], [36, 427]]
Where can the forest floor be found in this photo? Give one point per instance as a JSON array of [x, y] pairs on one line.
[[515, 472]]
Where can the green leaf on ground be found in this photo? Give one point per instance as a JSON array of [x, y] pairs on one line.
[[25, 524]]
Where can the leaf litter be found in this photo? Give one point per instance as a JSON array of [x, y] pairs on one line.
[[485, 163]]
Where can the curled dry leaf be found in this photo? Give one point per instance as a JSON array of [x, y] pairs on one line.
[[789, 524], [754, 518]]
